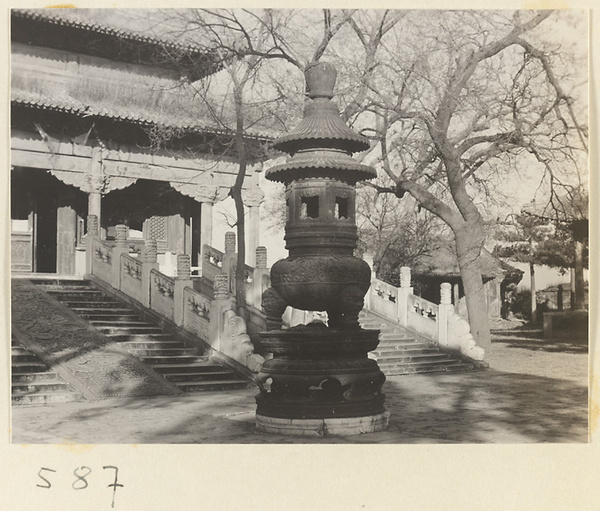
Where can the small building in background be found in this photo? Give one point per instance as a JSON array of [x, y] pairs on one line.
[[499, 278]]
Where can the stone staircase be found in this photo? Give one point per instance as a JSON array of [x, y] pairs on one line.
[[400, 352], [33, 382], [163, 352]]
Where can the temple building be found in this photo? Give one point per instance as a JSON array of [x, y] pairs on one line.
[[104, 122]]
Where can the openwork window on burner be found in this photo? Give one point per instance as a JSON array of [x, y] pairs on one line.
[[341, 207], [309, 207]]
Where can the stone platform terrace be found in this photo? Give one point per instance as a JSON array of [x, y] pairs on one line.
[[535, 391]]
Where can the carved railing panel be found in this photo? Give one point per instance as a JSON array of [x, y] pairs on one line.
[[161, 294], [102, 265], [131, 277], [196, 315], [383, 299], [422, 316]]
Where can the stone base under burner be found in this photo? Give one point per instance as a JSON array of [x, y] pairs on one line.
[[343, 426], [320, 378]]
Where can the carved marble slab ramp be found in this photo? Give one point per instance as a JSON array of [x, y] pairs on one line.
[[95, 366]]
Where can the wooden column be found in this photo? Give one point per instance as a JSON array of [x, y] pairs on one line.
[[97, 183], [93, 231], [66, 240], [206, 229]]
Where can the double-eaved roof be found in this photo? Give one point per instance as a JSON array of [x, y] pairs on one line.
[[124, 36], [65, 62]]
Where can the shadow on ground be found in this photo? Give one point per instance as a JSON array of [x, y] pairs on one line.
[[532, 339], [475, 407], [488, 406]]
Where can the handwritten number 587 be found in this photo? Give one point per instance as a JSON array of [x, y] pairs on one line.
[[81, 482]]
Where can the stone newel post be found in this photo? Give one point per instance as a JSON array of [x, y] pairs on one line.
[[444, 309], [221, 303], [404, 292], [149, 263], [259, 278], [182, 279], [119, 249]]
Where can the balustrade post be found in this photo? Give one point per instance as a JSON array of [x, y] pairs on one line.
[[149, 263], [258, 277], [222, 302], [120, 248], [444, 309], [404, 292], [93, 233], [182, 280]]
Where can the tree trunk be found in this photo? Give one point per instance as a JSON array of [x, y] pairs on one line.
[[468, 248], [240, 270], [579, 284], [533, 294], [236, 194]]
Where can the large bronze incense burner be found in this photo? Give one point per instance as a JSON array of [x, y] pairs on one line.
[[320, 380]]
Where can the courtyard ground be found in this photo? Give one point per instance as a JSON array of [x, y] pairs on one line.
[[535, 390]]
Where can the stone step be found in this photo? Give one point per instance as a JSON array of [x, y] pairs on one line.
[[29, 367], [205, 386], [395, 336], [422, 363], [121, 323], [402, 349], [117, 330], [102, 315], [195, 367], [117, 309], [139, 337], [103, 305], [16, 349], [62, 284], [34, 376], [42, 399], [372, 326], [400, 369], [417, 358], [24, 357], [161, 352], [137, 345], [82, 295], [20, 388], [401, 342], [32, 382], [182, 377], [72, 288], [168, 360]]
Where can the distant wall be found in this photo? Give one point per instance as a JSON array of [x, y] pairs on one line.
[[544, 276]]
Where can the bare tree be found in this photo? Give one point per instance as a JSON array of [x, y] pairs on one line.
[[248, 95], [395, 233], [454, 101], [458, 99]]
